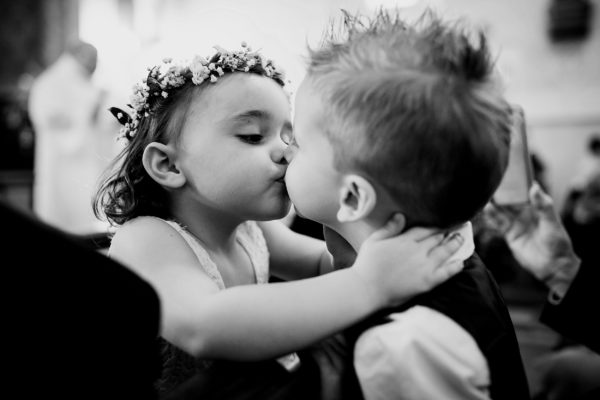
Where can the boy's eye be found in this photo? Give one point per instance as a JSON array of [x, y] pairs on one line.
[[252, 139]]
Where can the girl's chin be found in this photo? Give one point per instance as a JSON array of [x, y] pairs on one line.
[[277, 212], [285, 209]]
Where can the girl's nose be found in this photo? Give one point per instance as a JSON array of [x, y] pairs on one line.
[[278, 153], [289, 153]]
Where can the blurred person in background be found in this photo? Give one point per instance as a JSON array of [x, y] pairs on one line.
[[518, 284], [588, 166], [71, 146], [561, 254], [581, 218]]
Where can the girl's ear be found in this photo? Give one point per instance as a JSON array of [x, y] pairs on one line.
[[357, 198], [159, 163]]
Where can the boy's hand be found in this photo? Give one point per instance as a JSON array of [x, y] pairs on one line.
[[398, 267], [536, 237]]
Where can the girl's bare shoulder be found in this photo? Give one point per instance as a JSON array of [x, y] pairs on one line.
[[143, 229], [150, 240]]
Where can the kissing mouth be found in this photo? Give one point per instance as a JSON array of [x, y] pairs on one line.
[[281, 178]]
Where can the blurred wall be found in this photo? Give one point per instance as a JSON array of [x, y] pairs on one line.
[[33, 33]]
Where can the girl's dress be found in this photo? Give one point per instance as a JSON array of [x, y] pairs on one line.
[[178, 366], [248, 235]]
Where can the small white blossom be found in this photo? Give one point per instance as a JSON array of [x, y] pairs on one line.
[[197, 80]]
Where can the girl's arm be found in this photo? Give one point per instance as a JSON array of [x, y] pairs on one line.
[[256, 322], [293, 255]]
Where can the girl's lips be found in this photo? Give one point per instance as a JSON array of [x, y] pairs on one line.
[[281, 179]]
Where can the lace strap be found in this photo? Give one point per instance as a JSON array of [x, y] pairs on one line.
[[253, 241], [203, 257]]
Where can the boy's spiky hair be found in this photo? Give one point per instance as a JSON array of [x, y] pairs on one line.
[[416, 108]]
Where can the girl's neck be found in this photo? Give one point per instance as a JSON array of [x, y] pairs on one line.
[[216, 231]]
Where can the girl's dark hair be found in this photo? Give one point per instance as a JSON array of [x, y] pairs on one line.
[[127, 191]]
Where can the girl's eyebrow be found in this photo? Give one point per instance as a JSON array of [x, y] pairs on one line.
[[251, 114], [260, 115]]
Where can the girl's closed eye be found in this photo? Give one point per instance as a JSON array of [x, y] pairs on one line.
[[254, 138]]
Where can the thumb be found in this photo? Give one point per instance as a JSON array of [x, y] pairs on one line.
[[539, 198], [392, 227], [542, 202]]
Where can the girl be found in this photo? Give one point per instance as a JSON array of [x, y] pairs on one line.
[[204, 160]]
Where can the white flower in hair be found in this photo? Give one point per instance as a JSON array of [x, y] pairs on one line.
[[163, 79]]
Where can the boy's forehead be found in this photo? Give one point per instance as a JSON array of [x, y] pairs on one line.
[[308, 103]]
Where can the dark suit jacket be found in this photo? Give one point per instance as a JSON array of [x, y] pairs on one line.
[[76, 324], [576, 317]]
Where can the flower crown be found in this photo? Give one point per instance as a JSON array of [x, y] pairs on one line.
[[162, 79]]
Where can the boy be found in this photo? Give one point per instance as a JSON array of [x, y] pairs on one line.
[[407, 118]]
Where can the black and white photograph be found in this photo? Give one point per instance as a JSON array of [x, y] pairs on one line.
[[300, 199]]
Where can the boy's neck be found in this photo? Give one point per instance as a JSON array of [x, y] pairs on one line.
[[356, 233]]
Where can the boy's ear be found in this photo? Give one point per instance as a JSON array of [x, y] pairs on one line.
[[158, 160], [357, 198]]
